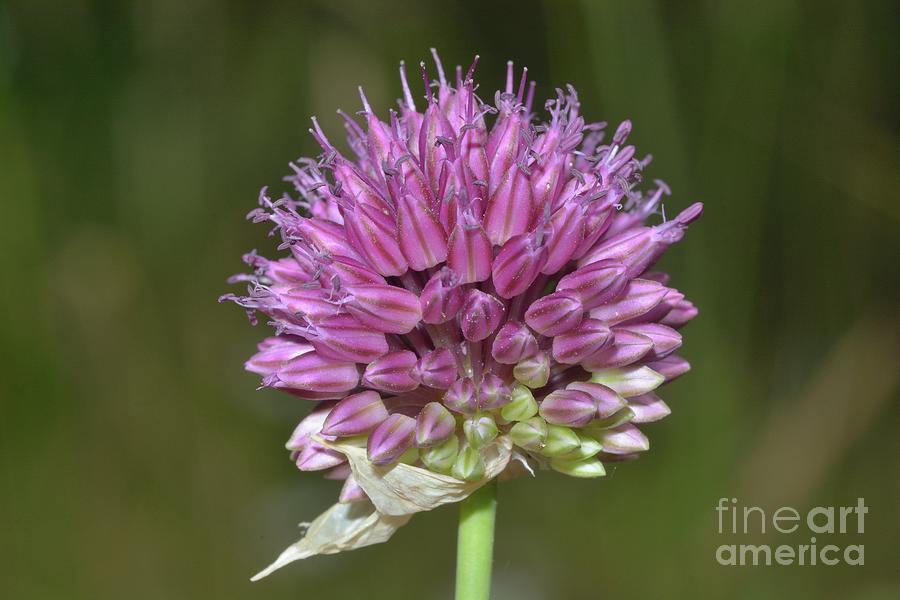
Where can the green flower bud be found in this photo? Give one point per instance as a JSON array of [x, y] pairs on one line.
[[530, 434], [441, 458], [619, 418], [588, 448], [591, 467], [410, 456], [629, 381], [523, 405], [469, 465], [560, 441], [480, 429], [533, 371]]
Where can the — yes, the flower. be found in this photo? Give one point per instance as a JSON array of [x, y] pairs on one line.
[[454, 286]]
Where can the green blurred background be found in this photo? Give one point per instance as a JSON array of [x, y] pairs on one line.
[[139, 462]]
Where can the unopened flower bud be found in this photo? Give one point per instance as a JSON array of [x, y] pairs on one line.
[[582, 343], [442, 457], [671, 367], [461, 396], [640, 297], [606, 401], [480, 316], [384, 308], [560, 441], [665, 340], [648, 408], [437, 369], [391, 439], [533, 371], [469, 465], [568, 407], [627, 348], [591, 467], [624, 440], [680, 314], [555, 313], [596, 283], [629, 381], [513, 343], [352, 491], [442, 297], [310, 425], [522, 406], [392, 372], [620, 417], [469, 252], [493, 392], [316, 457], [480, 430], [518, 264], [315, 373], [276, 352], [434, 425], [422, 239], [530, 434], [355, 415], [376, 239], [588, 447]]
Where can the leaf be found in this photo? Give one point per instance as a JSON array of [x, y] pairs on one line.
[[401, 489], [344, 526]]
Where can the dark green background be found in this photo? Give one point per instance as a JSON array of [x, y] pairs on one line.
[[138, 461]]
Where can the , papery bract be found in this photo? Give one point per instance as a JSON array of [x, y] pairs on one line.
[[472, 278]]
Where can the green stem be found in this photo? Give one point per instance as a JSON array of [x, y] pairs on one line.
[[475, 544]]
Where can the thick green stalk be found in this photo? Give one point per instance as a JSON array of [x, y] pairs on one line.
[[475, 544]]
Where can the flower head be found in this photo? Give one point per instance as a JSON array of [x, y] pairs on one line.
[[454, 284]]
